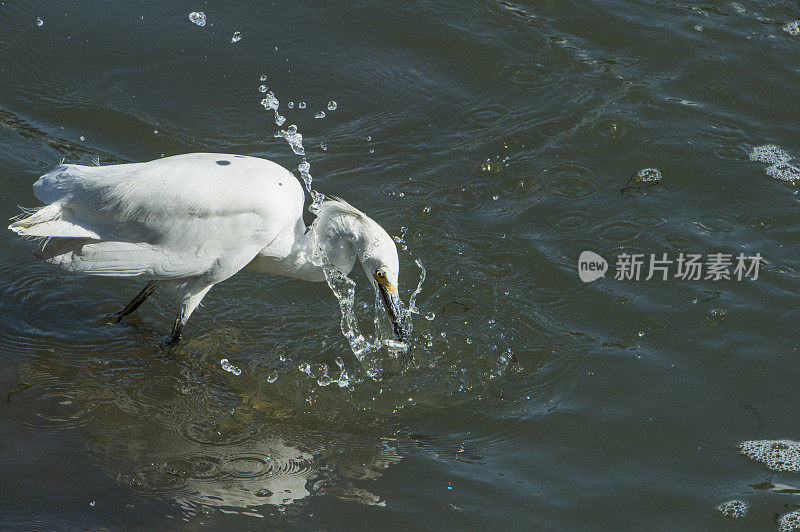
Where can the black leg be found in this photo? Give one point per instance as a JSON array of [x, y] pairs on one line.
[[177, 330], [148, 289]]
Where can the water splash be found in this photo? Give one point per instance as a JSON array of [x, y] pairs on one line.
[[316, 198], [271, 103], [292, 136]]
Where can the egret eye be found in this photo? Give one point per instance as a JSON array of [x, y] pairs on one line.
[[380, 274]]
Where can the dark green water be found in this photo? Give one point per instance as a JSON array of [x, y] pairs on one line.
[[498, 136]]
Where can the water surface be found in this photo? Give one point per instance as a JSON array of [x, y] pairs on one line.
[[496, 139]]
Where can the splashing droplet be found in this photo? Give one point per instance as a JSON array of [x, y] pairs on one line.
[[272, 377], [320, 114], [301, 105], [237, 36], [332, 106], [39, 22]]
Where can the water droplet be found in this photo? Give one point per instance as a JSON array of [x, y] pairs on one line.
[[93, 503], [279, 119], [230, 368], [320, 114], [301, 105], [272, 377], [290, 105], [263, 88], [323, 146], [39, 21], [82, 138], [369, 138], [372, 150], [332, 105], [324, 380], [263, 77], [430, 316], [198, 17], [155, 132], [237, 36], [495, 197]]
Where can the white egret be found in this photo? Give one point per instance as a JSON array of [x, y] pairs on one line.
[[191, 221]]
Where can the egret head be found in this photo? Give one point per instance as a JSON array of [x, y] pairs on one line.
[[379, 260], [348, 234]]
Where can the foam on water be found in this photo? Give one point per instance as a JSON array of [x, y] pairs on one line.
[[198, 17], [783, 172], [789, 522], [778, 455], [734, 509], [792, 28], [648, 175], [769, 154]]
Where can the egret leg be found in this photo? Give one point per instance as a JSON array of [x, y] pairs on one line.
[[190, 302], [148, 289]]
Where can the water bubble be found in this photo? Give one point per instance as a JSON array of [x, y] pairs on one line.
[[783, 171], [263, 77], [198, 17], [430, 316], [155, 132], [372, 150], [263, 88], [332, 105], [82, 138], [778, 455], [320, 114], [369, 138], [290, 105], [230, 368], [237, 36], [733, 509], [301, 105], [495, 197], [272, 377], [324, 380], [792, 28], [323, 146], [39, 21], [305, 367], [769, 153]]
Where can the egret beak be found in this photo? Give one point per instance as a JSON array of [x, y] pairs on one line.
[[394, 308]]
